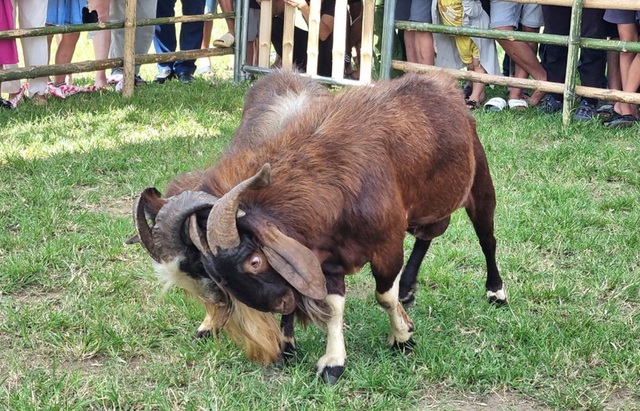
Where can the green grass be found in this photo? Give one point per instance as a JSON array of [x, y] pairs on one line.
[[83, 324]]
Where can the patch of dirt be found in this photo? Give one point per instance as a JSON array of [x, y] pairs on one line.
[[495, 401]]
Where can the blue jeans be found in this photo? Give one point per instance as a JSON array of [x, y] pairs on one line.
[[165, 41]]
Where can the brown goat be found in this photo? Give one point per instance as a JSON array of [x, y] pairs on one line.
[[274, 227]]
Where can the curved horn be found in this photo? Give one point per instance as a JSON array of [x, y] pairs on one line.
[[221, 224], [171, 218], [140, 221]]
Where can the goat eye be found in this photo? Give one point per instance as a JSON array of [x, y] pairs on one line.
[[255, 264]]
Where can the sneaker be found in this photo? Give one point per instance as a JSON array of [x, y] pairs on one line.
[[138, 81], [549, 104], [586, 111], [114, 77]]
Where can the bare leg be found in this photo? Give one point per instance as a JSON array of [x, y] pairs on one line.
[[525, 57], [419, 47], [64, 54], [102, 41]]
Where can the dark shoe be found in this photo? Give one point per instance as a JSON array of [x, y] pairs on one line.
[[185, 78], [164, 75], [549, 105], [5, 103], [586, 111], [619, 121]]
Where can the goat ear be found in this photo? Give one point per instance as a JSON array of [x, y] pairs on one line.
[[297, 264]]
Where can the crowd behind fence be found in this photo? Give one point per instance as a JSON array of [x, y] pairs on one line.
[[367, 57]]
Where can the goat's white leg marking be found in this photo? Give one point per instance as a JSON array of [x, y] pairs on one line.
[[336, 353], [499, 295], [401, 325]]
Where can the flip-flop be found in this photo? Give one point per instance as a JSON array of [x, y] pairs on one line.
[[226, 40], [495, 104], [471, 104], [517, 104]]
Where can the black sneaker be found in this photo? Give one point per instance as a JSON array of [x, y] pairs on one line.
[[549, 105], [586, 111], [164, 75]]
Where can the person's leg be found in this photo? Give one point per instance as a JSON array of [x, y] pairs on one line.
[[631, 86], [227, 39], [101, 41], [554, 58], [190, 39], [64, 53], [505, 16], [164, 40], [31, 14]]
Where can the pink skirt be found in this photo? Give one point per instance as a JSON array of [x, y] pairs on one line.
[[8, 49]]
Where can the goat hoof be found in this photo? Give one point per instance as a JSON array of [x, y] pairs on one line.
[[288, 355], [409, 301], [330, 375], [498, 298], [406, 347], [203, 334]]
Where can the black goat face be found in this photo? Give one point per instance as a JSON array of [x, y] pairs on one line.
[[244, 272]]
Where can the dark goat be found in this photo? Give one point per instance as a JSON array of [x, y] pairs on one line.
[[276, 226], [270, 104]]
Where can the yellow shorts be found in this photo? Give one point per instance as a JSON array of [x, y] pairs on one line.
[[451, 13]]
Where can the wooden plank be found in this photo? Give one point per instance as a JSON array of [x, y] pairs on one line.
[[288, 35], [312, 43], [366, 44], [264, 38], [339, 36]]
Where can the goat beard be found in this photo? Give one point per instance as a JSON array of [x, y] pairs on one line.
[[256, 332]]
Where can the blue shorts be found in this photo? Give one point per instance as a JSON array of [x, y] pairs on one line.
[[211, 6], [621, 16], [506, 13], [414, 10]]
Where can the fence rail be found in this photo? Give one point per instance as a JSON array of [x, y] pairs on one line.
[[569, 89]]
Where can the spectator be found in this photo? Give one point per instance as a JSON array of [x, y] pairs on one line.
[[145, 9], [205, 68], [419, 46], [31, 14], [626, 114], [227, 39], [8, 49], [190, 39], [101, 39], [508, 16], [61, 12], [469, 13], [592, 62]]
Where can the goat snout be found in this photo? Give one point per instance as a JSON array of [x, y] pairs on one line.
[[285, 304]]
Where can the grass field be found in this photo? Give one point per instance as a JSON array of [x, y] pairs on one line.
[[83, 324]]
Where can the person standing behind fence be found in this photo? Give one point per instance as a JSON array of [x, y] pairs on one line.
[[508, 16], [627, 21], [145, 9], [190, 39], [31, 14], [419, 46], [101, 38], [469, 13], [59, 13], [557, 20], [8, 49]]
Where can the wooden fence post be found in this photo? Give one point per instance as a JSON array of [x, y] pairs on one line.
[[129, 57], [572, 62]]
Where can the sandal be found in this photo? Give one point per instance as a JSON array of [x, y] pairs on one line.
[[495, 104], [226, 40], [471, 104], [620, 120], [517, 104]]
